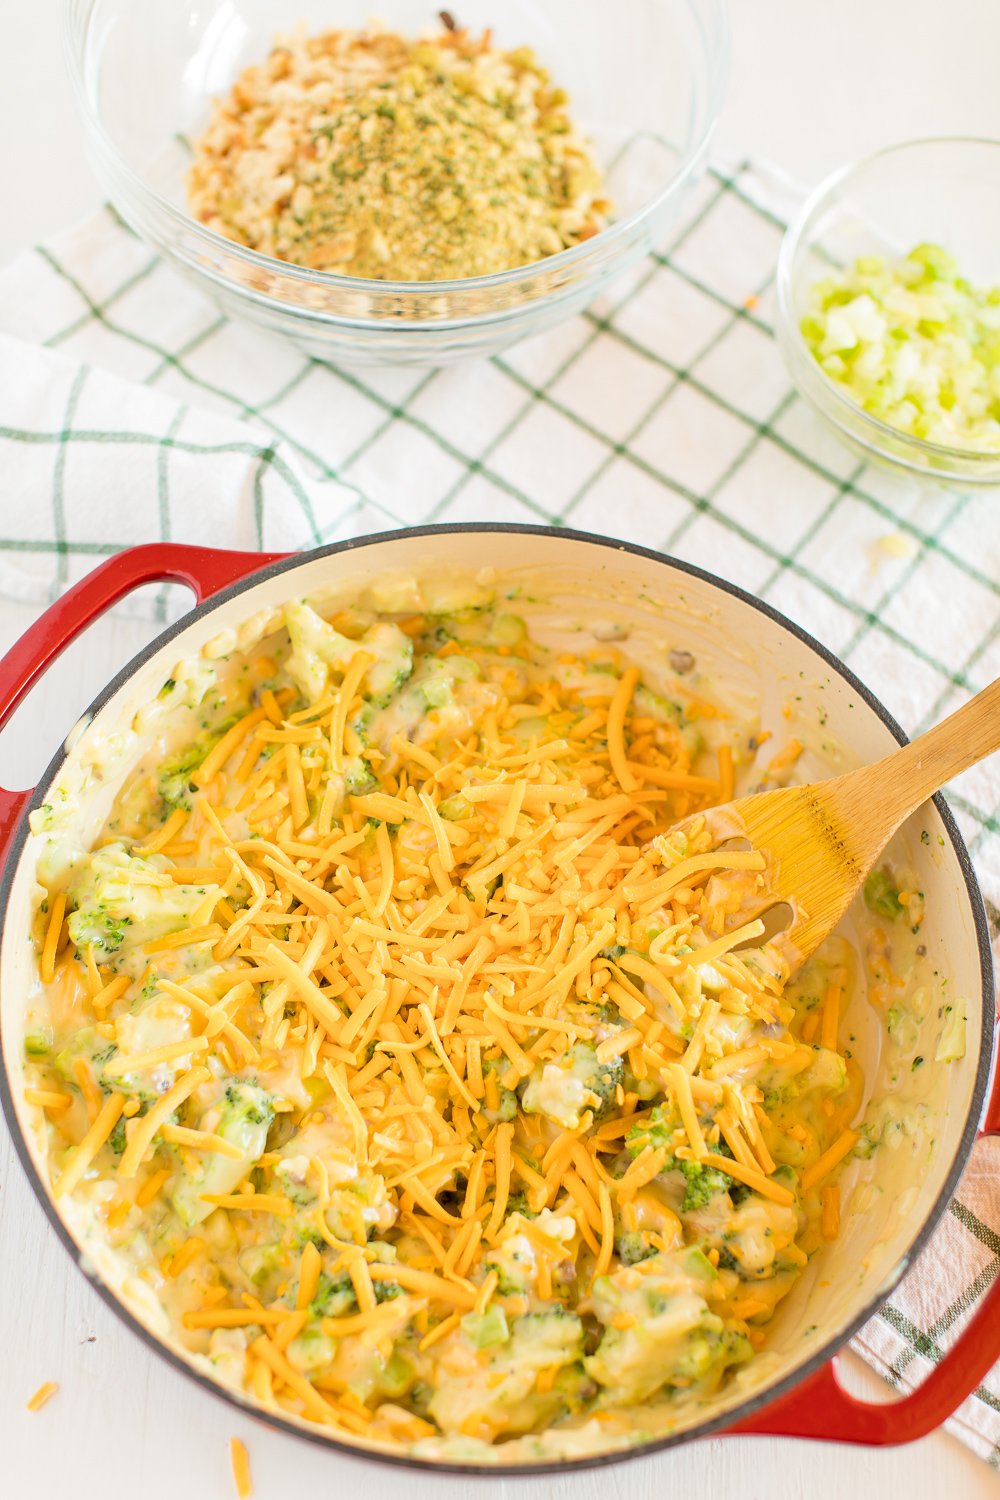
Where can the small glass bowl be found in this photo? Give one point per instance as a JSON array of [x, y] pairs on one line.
[[944, 191], [646, 83]]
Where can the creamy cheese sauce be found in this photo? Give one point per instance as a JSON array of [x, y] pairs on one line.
[[408, 1061]]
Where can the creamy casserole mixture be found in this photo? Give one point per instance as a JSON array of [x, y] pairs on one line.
[[432, 1087]]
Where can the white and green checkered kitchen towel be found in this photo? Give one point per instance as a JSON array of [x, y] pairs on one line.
[[131, 411]]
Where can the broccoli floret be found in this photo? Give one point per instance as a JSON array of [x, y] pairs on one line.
[[507, 1107], [517, 1203], [358, 778], [248, 1103], [113, 906], [100, 927], [701, 1184], [387, 1291], [174, 782], [576, 1082], [117, 1138], [363, 721], [247, 1112], [303, 1235], [632, 1248], [334, 1296], [608, 1015], [658, 1131], [882, 895], [601, 1078]]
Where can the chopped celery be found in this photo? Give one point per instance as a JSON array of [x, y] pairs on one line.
[[951, 1045], [486, 1329], [455, 808], [914, 344]]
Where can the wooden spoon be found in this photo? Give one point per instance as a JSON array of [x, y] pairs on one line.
[[821, 840]]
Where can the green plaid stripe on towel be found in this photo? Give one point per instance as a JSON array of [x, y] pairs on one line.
[[130, 410]]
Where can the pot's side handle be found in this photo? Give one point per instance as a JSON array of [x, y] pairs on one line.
[[205, 570], [990, 1122], [819, 1407]]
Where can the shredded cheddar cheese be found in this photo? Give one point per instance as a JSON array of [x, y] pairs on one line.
[[44, 1393], [240, 1460]]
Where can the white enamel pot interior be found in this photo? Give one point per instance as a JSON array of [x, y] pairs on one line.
[[752, 651]]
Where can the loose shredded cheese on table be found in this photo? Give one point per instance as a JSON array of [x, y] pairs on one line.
[[44, 1393], [240, 1460]]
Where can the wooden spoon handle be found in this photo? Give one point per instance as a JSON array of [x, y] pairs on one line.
[[918, 770]]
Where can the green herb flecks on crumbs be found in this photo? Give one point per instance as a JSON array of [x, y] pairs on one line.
[[365, 154]]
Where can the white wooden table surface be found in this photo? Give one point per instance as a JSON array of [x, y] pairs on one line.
[[812, 85]]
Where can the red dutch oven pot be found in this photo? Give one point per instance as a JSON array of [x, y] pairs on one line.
[[808, 1402]]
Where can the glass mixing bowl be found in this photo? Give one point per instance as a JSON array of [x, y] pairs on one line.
[[646, 81], [945, 191]]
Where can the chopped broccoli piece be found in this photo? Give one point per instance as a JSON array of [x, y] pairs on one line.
[[507, 1107], [174, 782], [117, 1139], [95, 925], [393, 664], [517, 1203], [358, 778], [244, 1121], [363, 721], [633, 1247], [87, 1043], [882, 896], [563, 1090], [701, 1184], [656, 1132], [248, 1103], [113, 910], [386, 1291], [317, 646], [601, 1078], [651, 705], [334, 1296]]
